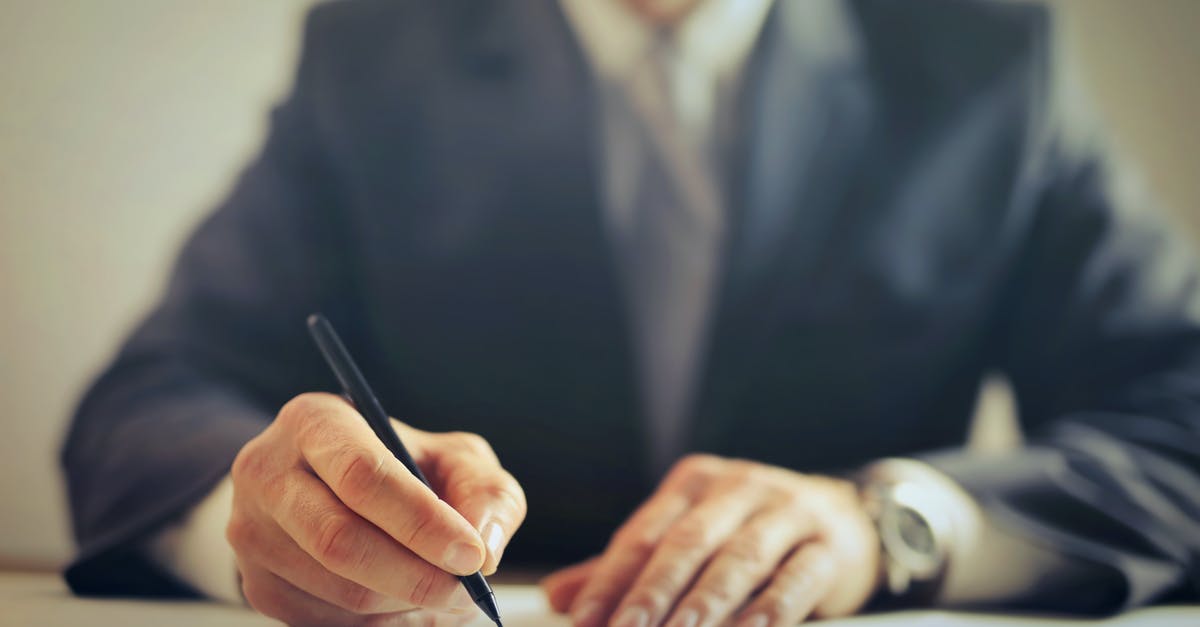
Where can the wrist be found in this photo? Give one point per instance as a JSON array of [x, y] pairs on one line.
[[913, 515]]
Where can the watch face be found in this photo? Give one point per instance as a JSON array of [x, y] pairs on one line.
[[910, 541], [915, 532]]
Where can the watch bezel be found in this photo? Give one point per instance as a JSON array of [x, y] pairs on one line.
[[920, 563], [914, 563]]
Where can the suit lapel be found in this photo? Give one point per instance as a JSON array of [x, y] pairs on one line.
[[550, 113], [802, 117], [803, 122]]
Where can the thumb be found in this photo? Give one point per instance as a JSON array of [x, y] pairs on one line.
[[472, 481]]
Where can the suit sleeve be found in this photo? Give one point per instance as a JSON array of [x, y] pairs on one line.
[[208, 368], [1099, 333]]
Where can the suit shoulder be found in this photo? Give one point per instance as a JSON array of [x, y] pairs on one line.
[[339, 14], [360, 42], [972, 26], [345, 21], [956, 46]]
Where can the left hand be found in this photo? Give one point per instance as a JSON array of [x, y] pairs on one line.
[[727, 541]]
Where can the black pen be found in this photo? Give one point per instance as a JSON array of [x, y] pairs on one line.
[[356, 387]]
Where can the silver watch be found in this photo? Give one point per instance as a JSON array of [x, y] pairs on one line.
[[915, 534]]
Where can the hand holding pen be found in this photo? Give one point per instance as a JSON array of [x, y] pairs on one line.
[[330, 526]]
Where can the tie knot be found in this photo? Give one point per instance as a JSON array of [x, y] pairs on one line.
[[662, 48], [651, 81]]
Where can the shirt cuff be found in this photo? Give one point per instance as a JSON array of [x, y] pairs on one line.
[[195, 550], [985, 564]]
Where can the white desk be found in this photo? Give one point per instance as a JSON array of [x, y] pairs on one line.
[[28, 600]]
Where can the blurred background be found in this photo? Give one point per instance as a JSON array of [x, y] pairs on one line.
[[123, 121]]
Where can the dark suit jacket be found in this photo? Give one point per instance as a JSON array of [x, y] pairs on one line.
[[931, 216]]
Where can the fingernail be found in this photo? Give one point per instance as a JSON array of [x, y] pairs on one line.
[[633, 616], [686, 618], [493, 536], [463, 558], [758, 620], [586, 614]]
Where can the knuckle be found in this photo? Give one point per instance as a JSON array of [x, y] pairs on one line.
[[472, 443], [421, 516], [661, 588], [820, 560], [746, 548], [511, 489], [275, 489], [783, 496], [692, 473], [297, 411], [713, 600], [656, 600], [337, 542], [636, 540], [814, 564], [793, 568], [431, 588], [777, 602], [722, 596], [840, 488], [250, 465], [252, 592], [442, 593], [689, 534], [743, 471], [798, 503], [361, 600], [422, 588], [240, 533], [502, 488], [312, 434], [239, 469], [313, 419], [697, 463], [260, 596], [359, 476], [662, 577]]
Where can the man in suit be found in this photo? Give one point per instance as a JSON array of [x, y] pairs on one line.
[[686, 268]]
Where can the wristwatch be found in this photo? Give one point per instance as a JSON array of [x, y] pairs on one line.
[[915, 533]]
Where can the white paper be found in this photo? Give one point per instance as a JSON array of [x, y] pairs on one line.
[[523, 606]]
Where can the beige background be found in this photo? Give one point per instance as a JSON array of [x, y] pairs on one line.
[[122, 121]]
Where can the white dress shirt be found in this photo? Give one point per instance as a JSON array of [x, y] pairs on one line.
[[710, 48]]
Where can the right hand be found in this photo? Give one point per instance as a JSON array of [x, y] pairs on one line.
[[329, 527]]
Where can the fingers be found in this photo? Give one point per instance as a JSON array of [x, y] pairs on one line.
[[636, 541], [328, 524], [630, 549], [717, 531], [470, 478], [799, 584], [264, 545], [352, 548], [274, 597], [563, 586], [743, 564], [683, 551], [343, 451]]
